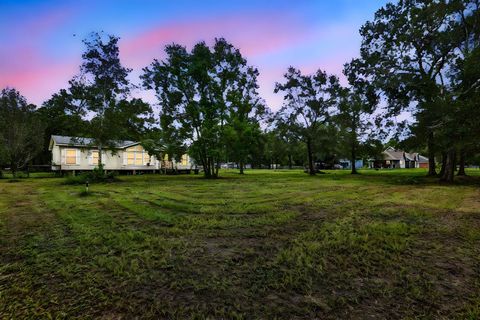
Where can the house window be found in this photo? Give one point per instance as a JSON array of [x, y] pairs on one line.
[[136, 156], [95, 157], [184, 160], [71, 156], [130, 157]]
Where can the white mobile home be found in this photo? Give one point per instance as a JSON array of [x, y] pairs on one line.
[[72, 154]]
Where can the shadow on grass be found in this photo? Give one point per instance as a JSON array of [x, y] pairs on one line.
[[404, 177]]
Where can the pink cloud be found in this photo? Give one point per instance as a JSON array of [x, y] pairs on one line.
[[39, 81], [331, 65], [253, 35], [274, 73], [48, 21], [43, 22], [37, 74], [26, 66]]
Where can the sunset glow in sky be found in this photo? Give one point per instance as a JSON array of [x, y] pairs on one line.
[[41, 41]]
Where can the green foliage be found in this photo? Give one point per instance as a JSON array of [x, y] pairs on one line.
[[245, 111], [357, 104], [284, 146], [98, 98], [417, 53], [97, 175], [309, 100], [21, 131], [202, 93], [61, 116]]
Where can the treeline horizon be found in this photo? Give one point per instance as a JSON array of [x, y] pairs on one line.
[[416, 56]]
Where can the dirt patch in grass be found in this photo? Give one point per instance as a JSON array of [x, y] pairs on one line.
[[25, 215]]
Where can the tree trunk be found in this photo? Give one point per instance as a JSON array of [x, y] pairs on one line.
[[217, 168], [353, 159], [210, 170], [448, 175], [13, 169], [290, 164], [431, 155], [99, 155], [461, 169], [241, 166], [311, 169], [206, 167], [444, 164], [100, 159]]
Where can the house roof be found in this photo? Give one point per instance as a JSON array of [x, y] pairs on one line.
[[392, 154], [87, 142], [422, 159]]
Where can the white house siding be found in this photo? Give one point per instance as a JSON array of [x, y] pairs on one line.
[[56, 157], [111, 161], [116, 160], [181, 165]]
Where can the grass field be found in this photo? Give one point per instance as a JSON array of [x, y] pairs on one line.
[[389, 244]]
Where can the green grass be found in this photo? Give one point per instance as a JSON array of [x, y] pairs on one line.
[[269, 244]]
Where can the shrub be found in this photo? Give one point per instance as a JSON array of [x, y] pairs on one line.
[[80, 179], [95, 176]]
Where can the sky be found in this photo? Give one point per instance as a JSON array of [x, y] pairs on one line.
[[41, 41]]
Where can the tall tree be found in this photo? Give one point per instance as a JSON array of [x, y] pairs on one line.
[[245, 110], [166, 142], [135, 119], [102, 90], [102, 83], [407, 49], [464, 90], [21, 131], [196, 90], [288, 141], [357, 104], [60, 116], [308, 103]]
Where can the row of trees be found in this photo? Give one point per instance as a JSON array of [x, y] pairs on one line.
[[424, 56], [417, 56]]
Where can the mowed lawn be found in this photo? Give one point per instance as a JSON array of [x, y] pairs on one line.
[[269, 244]]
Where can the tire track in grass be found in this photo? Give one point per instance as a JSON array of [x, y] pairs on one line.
[[35, 244], [123, 252]]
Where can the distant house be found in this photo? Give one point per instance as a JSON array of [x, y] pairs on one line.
[[422, 162], [72, 154], [347, 164], [392, 158]]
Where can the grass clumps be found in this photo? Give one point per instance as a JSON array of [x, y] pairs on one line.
[[264, 245], [351, 244], [97, 175]]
